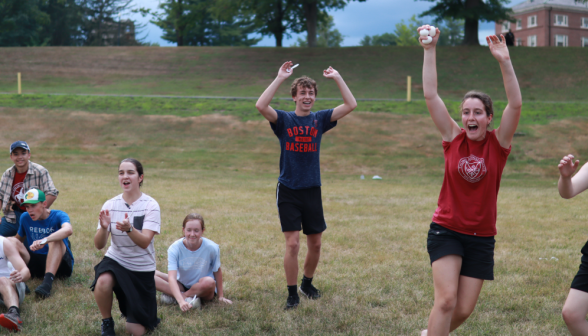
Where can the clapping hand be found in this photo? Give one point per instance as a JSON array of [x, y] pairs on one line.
[[125, 225], [104, 218]]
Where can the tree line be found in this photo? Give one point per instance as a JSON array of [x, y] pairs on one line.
[[223, 22]]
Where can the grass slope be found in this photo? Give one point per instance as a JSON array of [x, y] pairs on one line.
[[371, 72]]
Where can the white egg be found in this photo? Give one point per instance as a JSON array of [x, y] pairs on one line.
[[424, 32], [428, 40], [433, 31]]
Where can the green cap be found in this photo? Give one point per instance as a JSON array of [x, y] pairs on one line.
[[34, 196]]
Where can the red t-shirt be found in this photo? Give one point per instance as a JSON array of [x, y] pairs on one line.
[[18, 191], [467, 202]]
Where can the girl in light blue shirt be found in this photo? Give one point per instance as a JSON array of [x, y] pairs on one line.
[[194, 272]]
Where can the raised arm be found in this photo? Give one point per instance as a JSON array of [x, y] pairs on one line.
[[445, 124], [512, 112], [263, 103], [349, 103], [569, 186]]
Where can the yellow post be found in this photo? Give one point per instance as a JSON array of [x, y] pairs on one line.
[[19, 86], [408, 84]]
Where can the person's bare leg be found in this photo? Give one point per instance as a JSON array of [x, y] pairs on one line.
[[135, 329], [313, 255], [574, 312], [446, 280], [468, 292], [161, 275], [291, 257], [162, 285], [8, 291], [56, 251], [22, 250], [204, 288], [103, 292]]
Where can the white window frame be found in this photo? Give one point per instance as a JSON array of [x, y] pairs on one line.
[[519, 24], [563, 39], [532, 21], [584, 41], [560, 20], [505, 26], [584, 23], [532, 41], [519, 42]]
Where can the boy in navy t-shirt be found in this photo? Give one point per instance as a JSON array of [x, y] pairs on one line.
[[298, 194], [42, 241]]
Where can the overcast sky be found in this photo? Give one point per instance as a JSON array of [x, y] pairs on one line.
[[354, 22]]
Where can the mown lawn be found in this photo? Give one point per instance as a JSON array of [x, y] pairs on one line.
[[374, 270]]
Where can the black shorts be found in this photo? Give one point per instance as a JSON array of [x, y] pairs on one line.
[[300, 209], [580, 281], [477, 252], [135, 292], [38, 262]]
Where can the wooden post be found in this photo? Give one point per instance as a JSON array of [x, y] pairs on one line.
[[19, 86], [408, 85]]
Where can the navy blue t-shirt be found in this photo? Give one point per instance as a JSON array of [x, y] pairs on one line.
[[300, 142]]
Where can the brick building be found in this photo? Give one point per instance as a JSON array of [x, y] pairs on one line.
[[542, 23]]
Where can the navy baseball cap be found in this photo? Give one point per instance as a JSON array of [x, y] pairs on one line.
[[19, 144]]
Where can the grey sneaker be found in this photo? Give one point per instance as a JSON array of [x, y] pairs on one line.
[[11, 320], [195, 302], [167, 299]]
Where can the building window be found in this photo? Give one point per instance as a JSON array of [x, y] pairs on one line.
[[519, 42], [584, 41], [584, 23], [520, 24], [532, 21], [505, 26], [532, 41], [561, 20], [561, 40]]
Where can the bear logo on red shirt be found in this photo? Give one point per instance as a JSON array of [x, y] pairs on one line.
[[472, 168]]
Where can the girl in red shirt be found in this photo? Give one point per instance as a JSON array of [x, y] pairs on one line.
[[576, 307], [461, 237]]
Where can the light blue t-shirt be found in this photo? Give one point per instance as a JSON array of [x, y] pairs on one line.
[[193, 265]]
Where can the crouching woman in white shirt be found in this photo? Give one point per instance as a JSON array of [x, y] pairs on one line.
[[194, 273], [127, 270]]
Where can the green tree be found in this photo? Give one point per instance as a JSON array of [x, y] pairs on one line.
[[471, 11], [275, 18], [407, 35], [327, 37], [205, 23], [315, 11], [99, 19], [22, 23], [384, 40], [65, 21], [451, 31]]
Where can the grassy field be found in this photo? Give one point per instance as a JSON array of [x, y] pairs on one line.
[[371, 72], [374, 270]]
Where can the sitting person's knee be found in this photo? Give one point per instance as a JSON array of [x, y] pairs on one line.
[[105, 280], [208, 283]]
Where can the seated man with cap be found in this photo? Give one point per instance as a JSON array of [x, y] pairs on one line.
[[46, 249], [22, 176]]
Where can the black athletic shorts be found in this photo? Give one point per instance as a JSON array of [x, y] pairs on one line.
[[38, 262], [580, 281], [477, 252], [300, 209]]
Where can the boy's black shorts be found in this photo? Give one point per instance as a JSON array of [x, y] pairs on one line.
[[477, 252], [38, 262], [300, 209]]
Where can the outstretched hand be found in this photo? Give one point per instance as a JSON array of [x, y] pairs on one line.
[[498, 47], [567, 166], [283, 72]]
